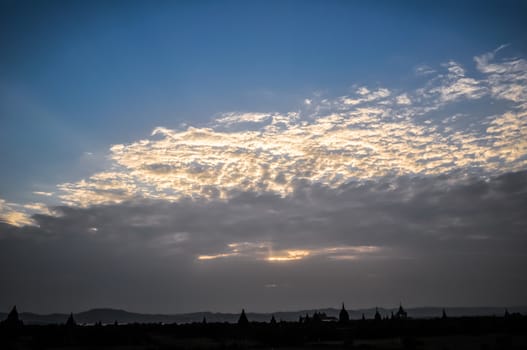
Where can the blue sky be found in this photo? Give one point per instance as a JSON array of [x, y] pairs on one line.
[[276, 141]]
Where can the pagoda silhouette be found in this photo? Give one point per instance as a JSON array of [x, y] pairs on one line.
[[401, 313], [344, 316], [12, 320], [242, 320], [377, 316], [273, 320], [71, 321]]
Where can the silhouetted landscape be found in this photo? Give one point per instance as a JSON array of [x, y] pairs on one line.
[[322, 329], [108, 316]]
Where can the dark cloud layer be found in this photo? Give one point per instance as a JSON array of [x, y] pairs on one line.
[[435, 240]]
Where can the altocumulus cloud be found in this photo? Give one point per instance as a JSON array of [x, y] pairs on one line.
[[370, 135], [366, 189]]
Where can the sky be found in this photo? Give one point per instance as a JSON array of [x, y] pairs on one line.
[[269, 155]]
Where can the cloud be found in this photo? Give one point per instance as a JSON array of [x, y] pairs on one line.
[[424, 70], [485, 65], [372, 134], [413, 229], [20, 215], [455, 85], [357, 218], [507, 79], [41, 193], [265, 251], [403, 100], [346, 144], [510, 137], [233, 118], [14, 214], [365, 95]]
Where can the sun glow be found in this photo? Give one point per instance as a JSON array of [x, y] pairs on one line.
[[289, 256]]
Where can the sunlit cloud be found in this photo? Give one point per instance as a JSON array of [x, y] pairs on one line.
[[403, 100], [21, 215], [14, 214], [233, 118], [42, 193], [216, 256], [40, 208], [507, 78], [365, 95]]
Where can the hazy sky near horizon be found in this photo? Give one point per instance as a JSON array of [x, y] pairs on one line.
[[271, 155]]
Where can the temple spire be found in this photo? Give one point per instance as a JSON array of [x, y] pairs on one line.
[[12, 319], [401, 314], [343, 315], [243, 321], [377, 316], [273, 320], [71, 321]]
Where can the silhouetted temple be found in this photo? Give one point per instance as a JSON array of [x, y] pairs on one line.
[[12, 319], [401, 314], [377, 316], [71, 321], [273, 320], [344, 317], [243, 321]]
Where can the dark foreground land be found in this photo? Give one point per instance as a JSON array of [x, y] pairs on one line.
[[440, 333]]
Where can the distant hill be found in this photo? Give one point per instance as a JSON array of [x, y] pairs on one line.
[[108, 316]]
